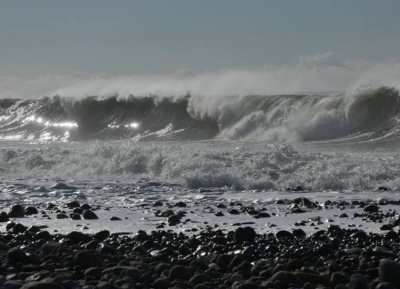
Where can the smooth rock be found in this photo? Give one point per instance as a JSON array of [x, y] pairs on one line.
[[245, 234], [199, 279], [77, 237], [86, 259], [13, 284], [94, 271], [371, 209], [42, 285], [389, 271], [17, 211], [89, 215], [180, 272], [161, 283], [102, 235], [31, 211], [15, 255], [384, 285], [286, 278]]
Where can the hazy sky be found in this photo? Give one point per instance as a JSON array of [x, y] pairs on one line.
[[140, 37]]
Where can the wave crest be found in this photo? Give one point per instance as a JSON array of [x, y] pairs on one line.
[[366, 115]]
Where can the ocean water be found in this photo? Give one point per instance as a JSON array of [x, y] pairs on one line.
[[123, 153], [327, 141]]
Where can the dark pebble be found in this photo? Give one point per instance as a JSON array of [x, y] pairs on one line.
[[89, 215], [180, 272], [389, 271], [42, 285], [17, 211]]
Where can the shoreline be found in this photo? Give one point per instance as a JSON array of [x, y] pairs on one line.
[[63, 237], [209, 258]]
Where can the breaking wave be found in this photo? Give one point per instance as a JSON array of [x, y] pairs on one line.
[[370, 114]]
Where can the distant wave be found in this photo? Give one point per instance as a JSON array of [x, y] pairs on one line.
[[367, 115]]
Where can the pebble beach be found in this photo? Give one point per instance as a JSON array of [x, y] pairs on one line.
[[159, 235]]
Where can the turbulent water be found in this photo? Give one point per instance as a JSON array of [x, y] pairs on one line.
[[367, 116], [240, 142]]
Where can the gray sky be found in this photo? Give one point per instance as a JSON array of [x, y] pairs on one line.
[[160, 37]]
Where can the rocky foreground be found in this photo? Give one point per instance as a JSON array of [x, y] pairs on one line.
[[208, 258]]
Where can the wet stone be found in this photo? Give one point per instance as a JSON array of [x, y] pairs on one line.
[[180, 272], [42, 285], [77, 237], [31, 211], [243, 234], [234, 212], [73, 204], [174, 219], [161, 283], [286, 278], [4, 217], [15, 255], [371, 209], [75, 216], [17, 211], [102, 235], [386, 227], [85, 259], [283, 234], [180, 205], [89, 215], [62, 216]]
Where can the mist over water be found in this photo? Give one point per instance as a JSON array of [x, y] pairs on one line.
[[324, 72]]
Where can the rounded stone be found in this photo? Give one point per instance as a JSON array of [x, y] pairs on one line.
[[284, 235], [77, 237], [161, 283], [371, 209], [102, 235], [17, 211], [42, 235], [243, 234], [286, 278], [75, 216], [173, 220], [85, 259], [12, 284], [31, 211], [89, 215], [73, 204], [42, 285], [180, 272], [384, 285], [199, 279], [4, 217], [15, 255], [94, 271], [389, 271]]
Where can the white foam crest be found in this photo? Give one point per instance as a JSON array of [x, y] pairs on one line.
[[288, 122]]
